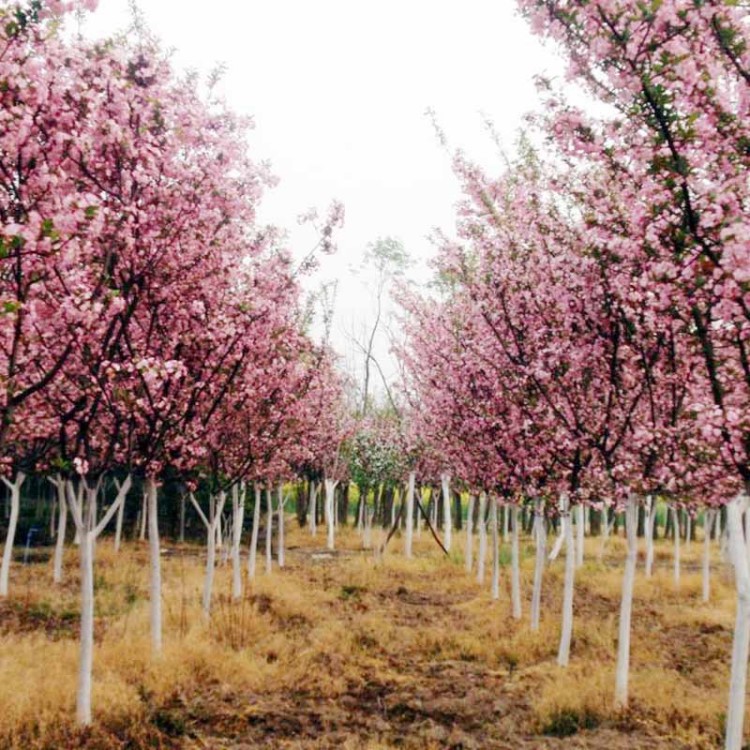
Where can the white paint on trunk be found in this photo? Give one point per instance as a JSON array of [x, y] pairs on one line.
[[238, 519], [515, 564], [409, 515], [269, 530], [566, 634], [676, 522], [10, 538], [541, 551], [330, 488], [144, 517], [741, 643], [708, 518], [650, 521], [154, 549], [626, 605], [313, 510], [469, 545], [447, 520], [253, 555], [281, 552], [62, 527], [482, 553], [495, 549], [580, 523], [85, 521]]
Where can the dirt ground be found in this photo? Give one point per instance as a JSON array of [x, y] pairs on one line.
[[343, 650]]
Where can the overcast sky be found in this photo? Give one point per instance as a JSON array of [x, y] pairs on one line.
[[339, 89]]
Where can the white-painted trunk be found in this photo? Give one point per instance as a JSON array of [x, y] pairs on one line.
[[15, 507], [708, 517], [689, 529], [626, 605], [580, 524], [62, 527], [86, 658], [118, 527], [281, 552], [605, 531], [144, 517], [741, 643], [447, 520], [238, 518], [495, 550], [154, 548], [506, 523], [409, 515], [566, 634], [269, 530], [330, 487], [650, 520], [676, 522], [313, 511], [515, 564], [541, 552], [482, 552], [469, 545], [253, 554]]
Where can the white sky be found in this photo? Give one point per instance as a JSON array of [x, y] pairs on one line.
[[338, 90]]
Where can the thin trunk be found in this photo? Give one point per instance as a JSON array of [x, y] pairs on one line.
[[676, 524], [253, 555], [409, 515], [154, 546], [144, 517], [62, 523], [447, 521], [495, 550], [330, 487], [86, 658], [626, 605], [482, 521], [515, 564], [313, 508], [281, 550], [15, 507], [580, 523], [708, 517], [238, 519], [541, 551], [269, 530], [566, 635], [741, 643], [649, 531], [469, 536]]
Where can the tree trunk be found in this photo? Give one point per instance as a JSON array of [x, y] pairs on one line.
[[515, 563], [626, 605], [62, 523], [313, 508], [281, 551], [155, 566], [563, 654], [495, 549], [253, 555], [469, 536], [330, 487], [238, 519], [580, 522], [708, 517], [650, 522], [269, 530], [457, 510], [15, 507], [447, 523], [676, 525], [741, 643], [541, 552], [482, 554], [409, 516]]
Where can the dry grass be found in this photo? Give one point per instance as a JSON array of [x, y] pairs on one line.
[[359, 651]]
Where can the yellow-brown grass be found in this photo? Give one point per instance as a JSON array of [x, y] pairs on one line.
[[356, 649]]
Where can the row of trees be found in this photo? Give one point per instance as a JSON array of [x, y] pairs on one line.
[[591, 338], [150, 329]]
